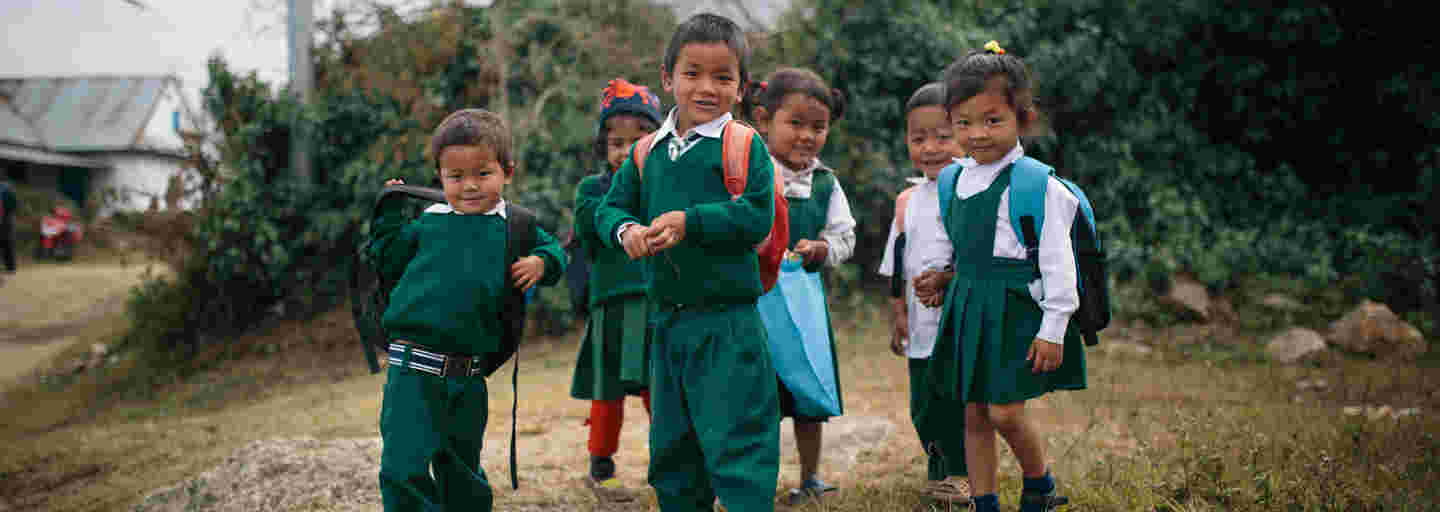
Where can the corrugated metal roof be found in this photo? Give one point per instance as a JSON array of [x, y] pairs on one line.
[[97, 113], [41, 156]]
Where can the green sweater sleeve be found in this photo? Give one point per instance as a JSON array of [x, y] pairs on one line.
[[393, 240], [621, 204], [587, 201], [548, 249], [745, 220]]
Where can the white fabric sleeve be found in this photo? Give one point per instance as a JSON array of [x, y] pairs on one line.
[[620, 233], [839, 231], [1057, 263]]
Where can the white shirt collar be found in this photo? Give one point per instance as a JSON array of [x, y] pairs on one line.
[[712, 129], [797, 182], [445, 208], [1015, 153]]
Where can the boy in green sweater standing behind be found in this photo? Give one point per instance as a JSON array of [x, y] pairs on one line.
[[715, 425], [444, 317]]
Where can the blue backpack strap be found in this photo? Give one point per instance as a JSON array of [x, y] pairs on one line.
[[946, 182], [1028, 181], [1085, 209]]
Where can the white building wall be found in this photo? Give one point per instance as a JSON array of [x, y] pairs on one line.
[[135, 180], [159, 132]]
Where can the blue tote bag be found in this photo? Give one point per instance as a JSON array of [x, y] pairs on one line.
[[798, 328]]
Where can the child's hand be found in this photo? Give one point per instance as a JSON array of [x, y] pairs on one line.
[[527, 271], [634, 241], [1046, 356], [813, 250], [930, 287], [394, 181], [666, 231], [901, 334]]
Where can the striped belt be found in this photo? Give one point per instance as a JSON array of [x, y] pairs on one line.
[[435, 363]]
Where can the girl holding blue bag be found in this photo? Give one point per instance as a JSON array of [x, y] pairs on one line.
[[794, 109]]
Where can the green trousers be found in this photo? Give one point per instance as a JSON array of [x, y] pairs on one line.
[[428, 422], [715, 426], [940, 424]]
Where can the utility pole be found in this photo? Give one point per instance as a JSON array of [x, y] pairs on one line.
[[301, 23]]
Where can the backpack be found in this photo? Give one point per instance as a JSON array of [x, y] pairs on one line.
[[735, 159], [577, 275], [370, 295], [1028, 178]]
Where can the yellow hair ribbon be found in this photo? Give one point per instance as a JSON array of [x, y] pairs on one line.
[[994, 47]]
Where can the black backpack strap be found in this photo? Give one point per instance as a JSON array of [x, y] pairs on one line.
[[369, 290], [520, 240], [1031, 238]]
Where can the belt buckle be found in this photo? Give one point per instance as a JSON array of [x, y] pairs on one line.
[[456, 366]]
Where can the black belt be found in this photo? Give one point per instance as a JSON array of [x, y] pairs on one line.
[[435, 362]]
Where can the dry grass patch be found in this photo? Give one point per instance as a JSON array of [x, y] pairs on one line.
[[1151, 433]]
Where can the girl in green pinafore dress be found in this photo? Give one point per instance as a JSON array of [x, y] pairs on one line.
[[614, 353], [1003, 334], [793, 109]]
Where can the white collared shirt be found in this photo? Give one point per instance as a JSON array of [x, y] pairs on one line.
[[839, 230], [1056, 290], [927, 246], [679, 145], [445, 208]]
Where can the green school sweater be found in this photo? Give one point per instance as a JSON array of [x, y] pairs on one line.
[[716, 262], [612, 273], [452, 277]]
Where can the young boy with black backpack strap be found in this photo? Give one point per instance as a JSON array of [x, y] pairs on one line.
[[451, 318]]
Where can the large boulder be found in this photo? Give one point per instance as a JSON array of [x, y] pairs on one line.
[[1294, 345], [1188, 297], [1371, 328]]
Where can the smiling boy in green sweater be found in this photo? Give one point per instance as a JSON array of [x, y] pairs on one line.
[[445, 317]]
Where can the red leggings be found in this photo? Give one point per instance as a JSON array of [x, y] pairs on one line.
[[605, 419]]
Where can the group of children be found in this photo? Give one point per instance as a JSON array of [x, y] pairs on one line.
[[675, 281]]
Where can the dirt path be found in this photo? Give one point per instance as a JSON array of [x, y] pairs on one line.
[[44, 307]]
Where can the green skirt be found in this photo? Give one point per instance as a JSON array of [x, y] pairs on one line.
[[615, 352], [989, 322]]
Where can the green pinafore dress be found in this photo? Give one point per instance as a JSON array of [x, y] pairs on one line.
[[990, 319]]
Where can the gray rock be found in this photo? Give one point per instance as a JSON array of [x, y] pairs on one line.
[[1282, 302], [1372, 328], [1294, 345], [1188, 296]]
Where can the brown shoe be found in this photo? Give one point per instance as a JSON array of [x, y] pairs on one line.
[[952, 490]]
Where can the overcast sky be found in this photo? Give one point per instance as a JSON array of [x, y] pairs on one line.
[[90, 37]]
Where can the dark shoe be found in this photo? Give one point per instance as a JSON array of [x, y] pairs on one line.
[[810, 490], [1037, 502]]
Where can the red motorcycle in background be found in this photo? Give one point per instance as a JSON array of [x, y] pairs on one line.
[[59, 233]]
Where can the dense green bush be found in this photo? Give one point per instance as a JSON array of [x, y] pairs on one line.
[[1212, 137]]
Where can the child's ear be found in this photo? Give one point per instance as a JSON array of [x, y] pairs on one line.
[[665, 81]]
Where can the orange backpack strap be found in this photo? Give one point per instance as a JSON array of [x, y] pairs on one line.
[[640, 150], [735, 157], [901, 203]]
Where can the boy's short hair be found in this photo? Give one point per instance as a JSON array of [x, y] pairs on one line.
[[474, 127], [709, 28], [929, 95]]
